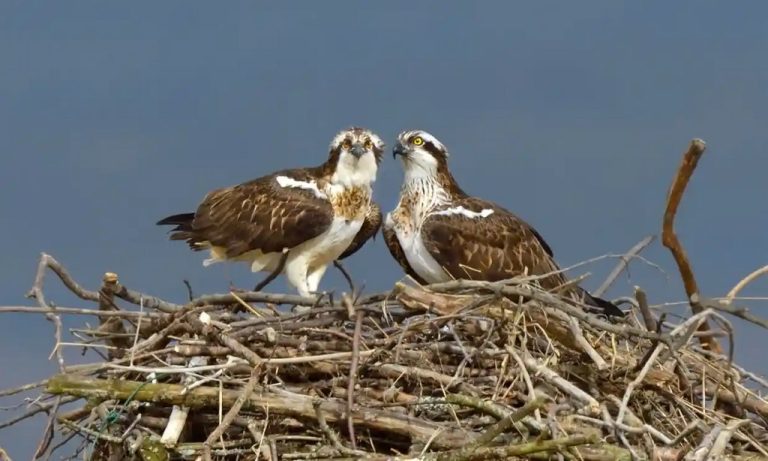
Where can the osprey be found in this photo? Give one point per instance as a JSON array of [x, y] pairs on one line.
[[301, 219], [439, 233]]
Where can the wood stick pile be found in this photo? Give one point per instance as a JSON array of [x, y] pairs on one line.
[[458, 371]]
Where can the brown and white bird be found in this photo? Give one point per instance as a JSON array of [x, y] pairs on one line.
[[314, 216], [438, 233]]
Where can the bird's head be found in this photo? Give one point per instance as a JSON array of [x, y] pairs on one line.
[[355, 154], [422, 154]]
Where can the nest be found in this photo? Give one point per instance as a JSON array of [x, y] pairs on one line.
[[458, 371]]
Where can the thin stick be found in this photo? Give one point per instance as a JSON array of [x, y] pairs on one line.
[[48, 262], [224, 366], [744, 282], [353, 376], [507, 423], [578, 336], [559, 382], [22, 388], [232, 413], [80, 311], [623, 264], [670, 240], [333, 437], [645, 311], [45, 442], [39, 408], [740, 312]]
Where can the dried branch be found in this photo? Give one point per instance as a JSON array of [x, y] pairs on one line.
[[353, 375], [623, 264], [232, 413], [454, 365], [744, 282], [283, 403], [645, 311], [670, 240]]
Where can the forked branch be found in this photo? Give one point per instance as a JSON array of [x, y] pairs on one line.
[[670, 240]]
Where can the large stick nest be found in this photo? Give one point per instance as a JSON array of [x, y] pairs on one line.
[[464, 370]]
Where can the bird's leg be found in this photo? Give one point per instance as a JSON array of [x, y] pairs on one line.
[[272, 276], [312, 281], [346, 275]]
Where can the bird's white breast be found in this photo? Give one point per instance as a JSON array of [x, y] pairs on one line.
[[419, 258], [328, 246]]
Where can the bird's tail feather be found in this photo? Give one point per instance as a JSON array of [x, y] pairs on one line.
[[183, 219], [183, 229], [608, 308]]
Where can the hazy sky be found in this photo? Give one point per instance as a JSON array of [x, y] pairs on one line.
[[572, 115]]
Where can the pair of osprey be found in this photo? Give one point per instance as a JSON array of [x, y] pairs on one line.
[[305, 219]]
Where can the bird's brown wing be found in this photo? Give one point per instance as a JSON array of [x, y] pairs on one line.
[[369, 229], [257, 215], [393, 244], [496, 247]]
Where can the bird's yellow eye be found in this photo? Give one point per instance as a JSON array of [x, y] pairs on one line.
[[346, 144], [368, 144], [417, 141]]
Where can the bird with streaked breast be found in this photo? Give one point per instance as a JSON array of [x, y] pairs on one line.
[[439, 233], [306, 217]]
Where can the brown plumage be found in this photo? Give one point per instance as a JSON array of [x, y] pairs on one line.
[[368, 231], [439, 233], [315, 214], [255, 215]]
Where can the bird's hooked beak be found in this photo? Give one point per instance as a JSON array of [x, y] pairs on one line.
[[399, 149], [357, 150]]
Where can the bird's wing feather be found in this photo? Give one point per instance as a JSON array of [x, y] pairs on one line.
[[393, 244], [262, 215], [494, 247], [368, 230]]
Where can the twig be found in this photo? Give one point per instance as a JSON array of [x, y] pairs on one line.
[[645, 311], [636, 382], [740, 312], [331, 434], [224, 366], [80, 311], [353, 375], [506, 424], [744, 282], [559, 382], [725, 436], [22, 388], [623, 264], [279, 402], [233, 411], [48, 262], [39, 408], [578, 336], [670, 240], [506, 452], [37, 294], [56, 320], [45, 442]]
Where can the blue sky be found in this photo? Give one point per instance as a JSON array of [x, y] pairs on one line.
[[574, 116]]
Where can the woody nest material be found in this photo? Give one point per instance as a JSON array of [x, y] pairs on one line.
[[457, 371], [464, 370]]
